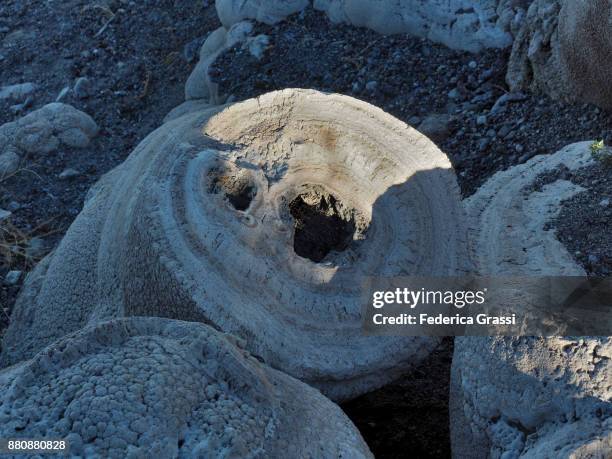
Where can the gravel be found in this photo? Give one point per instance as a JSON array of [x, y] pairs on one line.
[[584, 224], [127, 77]]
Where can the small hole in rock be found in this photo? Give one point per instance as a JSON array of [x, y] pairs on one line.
[[322, 225], [237, 187]]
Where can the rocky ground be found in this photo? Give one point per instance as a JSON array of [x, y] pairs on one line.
[[124, 63], [131, 60]]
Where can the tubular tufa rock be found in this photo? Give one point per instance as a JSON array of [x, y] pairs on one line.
[[263, 219], [151, 387], [529, 397]]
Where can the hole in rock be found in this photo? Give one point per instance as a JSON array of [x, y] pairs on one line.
[[237, 187], [322, 224]]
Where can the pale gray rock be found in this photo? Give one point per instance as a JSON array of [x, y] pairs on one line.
[[257, 45], [151, 387], [83, 88], [63, 94], [436, 127], [12, 277], [529, 397], [585, 37], [199, 84], [267, 11], [45, 129], [197, 225], [564, 49], [534, 60], [4, 215], [469, 25], [17, 92]]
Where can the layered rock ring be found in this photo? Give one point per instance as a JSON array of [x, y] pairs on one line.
[[263, 219]]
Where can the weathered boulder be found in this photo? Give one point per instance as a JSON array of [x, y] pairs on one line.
[[469, 25], [262, 218], [529, 397], [45, 129], [564, 48], [460, 24], [151, 387], [17, 92]]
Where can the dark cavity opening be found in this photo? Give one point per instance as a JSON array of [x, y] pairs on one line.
[[322, 225], [237, 188]]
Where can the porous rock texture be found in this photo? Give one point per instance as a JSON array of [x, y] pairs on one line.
[[564, 48], [151, 387], [469, 25], [534, 60], [203, 220], [529, 397], [43, 131]]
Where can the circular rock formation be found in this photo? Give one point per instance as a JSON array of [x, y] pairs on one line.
[[529, 397], [262, 218], [150, 387]]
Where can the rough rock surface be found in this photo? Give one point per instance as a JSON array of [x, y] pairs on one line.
[[459, 24], [193, 241], [520, 397], [564, 48], [534, 60], [150, 387], [508, 215], [469, 25], [44, 130], [199, 84]]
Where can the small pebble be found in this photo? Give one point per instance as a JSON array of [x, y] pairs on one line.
[[454, 94], [371, 86], [63, 93], [4, 214], [14, 206], [68, 174], [12, 277], [604, 202], [83, 88]]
